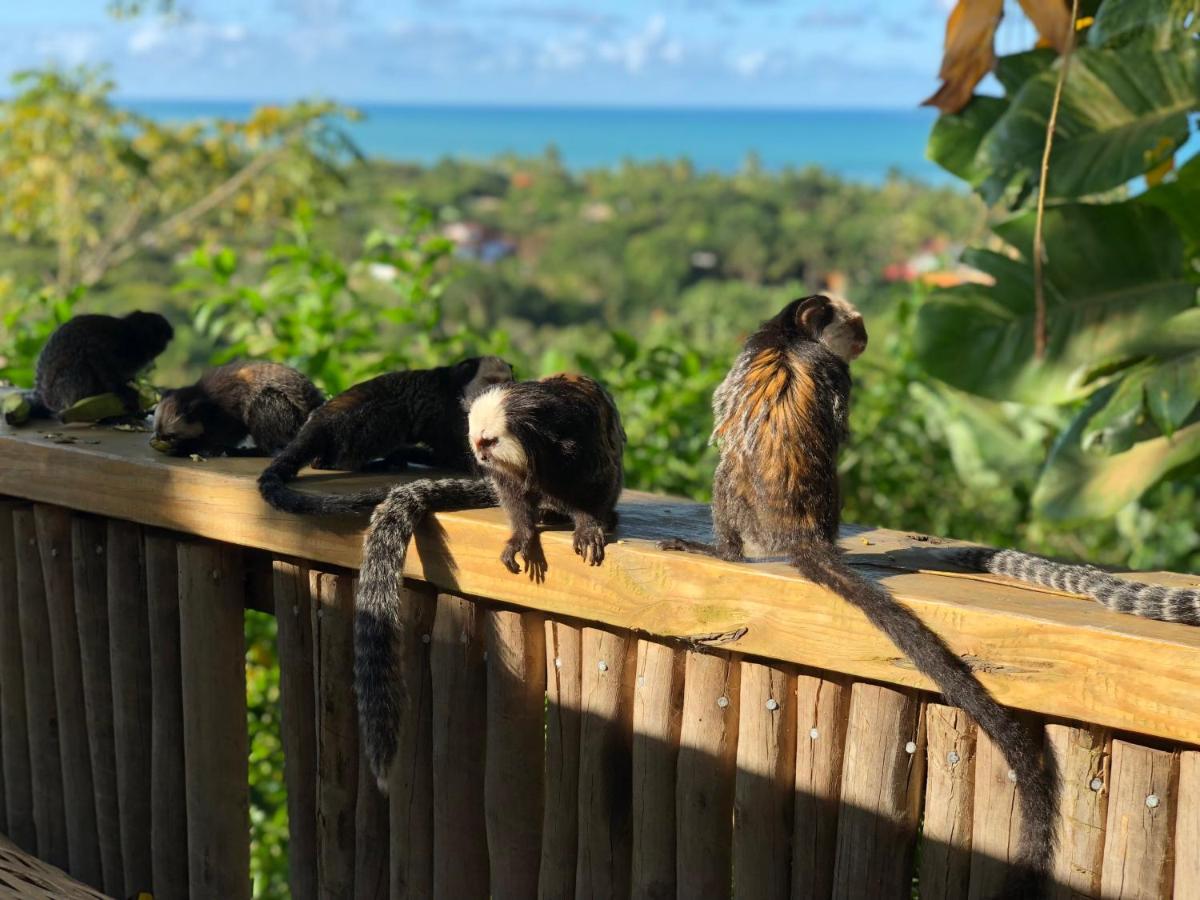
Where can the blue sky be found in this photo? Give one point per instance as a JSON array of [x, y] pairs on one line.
[[796, 53]]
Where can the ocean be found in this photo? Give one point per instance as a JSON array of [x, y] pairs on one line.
[[862, 145]]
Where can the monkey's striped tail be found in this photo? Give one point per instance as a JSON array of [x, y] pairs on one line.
[[1153, 601], [377, 622]]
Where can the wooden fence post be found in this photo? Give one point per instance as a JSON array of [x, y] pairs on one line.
[[1138, 855], [53, 526], [949, 803], [1083, 760], [14, 724], [213, 654], [560, 823]]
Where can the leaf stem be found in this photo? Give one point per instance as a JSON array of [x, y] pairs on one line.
[[1039, 248]]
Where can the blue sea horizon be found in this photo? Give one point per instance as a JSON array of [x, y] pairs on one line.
[[856, 144]]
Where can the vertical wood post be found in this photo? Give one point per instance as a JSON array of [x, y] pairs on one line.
[[460, 859], [53, 526], [371, 838], [168, 781], [129, 648], [1138, 854], [1187, 829], [89, 540], [516, 729], [657, 716], [1083, 758], [949, 803], [996, 820], [298, 723], [49, 812], [410, 785], [704, 775], [14, 727], [213, 654], [766, 775], [337, 731], [882, 785], [822, 711], [560, 823]]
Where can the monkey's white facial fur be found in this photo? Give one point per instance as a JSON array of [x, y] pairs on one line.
[[492, 370], [845, 335], [487, 429], [171, 425]]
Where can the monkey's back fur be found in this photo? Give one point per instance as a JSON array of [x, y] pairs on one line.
[[268, 402], [97, 354]]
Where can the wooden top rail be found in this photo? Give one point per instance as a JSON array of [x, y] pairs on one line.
[[1034, 649]]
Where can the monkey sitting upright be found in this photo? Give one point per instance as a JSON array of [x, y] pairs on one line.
[[265, 401], [551, 446], [384, 418], [781, 417], [96, 354]]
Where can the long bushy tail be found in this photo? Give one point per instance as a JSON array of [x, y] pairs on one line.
[[273, 484], [376, 617], [1037, 783], [1153, 601]]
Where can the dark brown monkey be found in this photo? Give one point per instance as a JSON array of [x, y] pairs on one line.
[[385, 418], [96, 354], [547, 447], [781, 418], [265, 401]]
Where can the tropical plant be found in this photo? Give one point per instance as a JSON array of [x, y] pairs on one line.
[[1120, 264]]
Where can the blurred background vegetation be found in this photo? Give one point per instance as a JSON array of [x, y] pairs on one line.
[[273, 238]]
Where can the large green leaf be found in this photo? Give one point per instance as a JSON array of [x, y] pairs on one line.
[[1156, 23], [1173, 390], [1122, 113], [1114, 273], [1076, 486], [954, 140]]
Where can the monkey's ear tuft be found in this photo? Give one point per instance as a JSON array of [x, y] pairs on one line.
[[814, 314], [465, 370]]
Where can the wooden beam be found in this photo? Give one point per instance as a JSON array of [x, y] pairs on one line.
[[1034, 649]]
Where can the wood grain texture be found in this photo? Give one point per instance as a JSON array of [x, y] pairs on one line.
[[607, 667], [516, 742], [133, 702], [89, 540], [213, 655], [24, 877], [1187, 829], [949, 802], [337, 731], [1139, 859], [298, 722], [705, 772], [560, 821], [372, 841], [882, 779], [53, 525], [822, 715], [410, 788], [1082, 755], [787, 619], [14, 726], [460, 858], [49, 812], [996, 820], [168, 781], [765, 781], [657, 716]]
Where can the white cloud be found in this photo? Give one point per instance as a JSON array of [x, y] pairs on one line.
[[749, 63], [69, 47]]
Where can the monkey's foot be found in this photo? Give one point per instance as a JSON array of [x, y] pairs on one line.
[[589, 544]]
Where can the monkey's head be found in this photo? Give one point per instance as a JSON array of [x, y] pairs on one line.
[[490, 432], [151, 332], [477, 374], [179, 420], [832, 321]]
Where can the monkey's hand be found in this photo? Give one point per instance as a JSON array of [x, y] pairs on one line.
[[509, 557], [589, 543]]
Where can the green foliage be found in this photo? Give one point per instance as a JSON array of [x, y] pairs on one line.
[[28, 316], [1121, 273], [268, 793]]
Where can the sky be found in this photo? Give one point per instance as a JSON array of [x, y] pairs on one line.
[[723, 53]]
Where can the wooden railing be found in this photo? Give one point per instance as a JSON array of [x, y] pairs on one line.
[[665, 725]]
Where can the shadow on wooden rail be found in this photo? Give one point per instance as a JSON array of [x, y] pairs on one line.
[[539, 755]]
